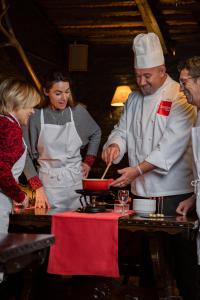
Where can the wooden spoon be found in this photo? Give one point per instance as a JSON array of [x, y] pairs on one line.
[[106, 170]]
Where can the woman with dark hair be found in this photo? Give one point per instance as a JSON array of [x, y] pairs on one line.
[[55, 136]]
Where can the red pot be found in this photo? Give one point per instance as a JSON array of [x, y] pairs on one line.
[[96, 184]]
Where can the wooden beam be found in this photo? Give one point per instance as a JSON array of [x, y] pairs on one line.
[[150, 21], [12, 40], [90, 4], [98, 24], [102, 32]]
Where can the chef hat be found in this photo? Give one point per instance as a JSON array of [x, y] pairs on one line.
[[148, 51]]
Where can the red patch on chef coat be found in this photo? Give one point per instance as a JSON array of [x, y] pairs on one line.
[[164, 108]]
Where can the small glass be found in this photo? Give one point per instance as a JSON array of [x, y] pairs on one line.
[[121, 208], [123, 196]]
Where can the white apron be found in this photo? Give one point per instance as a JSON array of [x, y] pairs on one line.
[[6, 202], [196, 183], [60, 163]]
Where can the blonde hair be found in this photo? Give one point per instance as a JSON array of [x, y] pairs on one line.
[[16, 94]]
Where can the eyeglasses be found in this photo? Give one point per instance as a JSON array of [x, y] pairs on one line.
[[184, 82]]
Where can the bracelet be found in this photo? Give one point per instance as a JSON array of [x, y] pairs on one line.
[[139, 170]]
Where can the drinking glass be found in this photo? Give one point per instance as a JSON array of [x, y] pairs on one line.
[[123, 196]]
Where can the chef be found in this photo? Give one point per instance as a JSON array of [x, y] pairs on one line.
[[155, 131]]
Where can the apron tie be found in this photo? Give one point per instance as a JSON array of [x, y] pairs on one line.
[[195, 183], [59, 173]]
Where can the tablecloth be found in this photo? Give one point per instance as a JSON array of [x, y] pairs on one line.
[[86, 244]]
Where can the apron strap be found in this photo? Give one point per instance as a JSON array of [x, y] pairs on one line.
[[71, 115], [42, 118], [195, 183], [25, 146]]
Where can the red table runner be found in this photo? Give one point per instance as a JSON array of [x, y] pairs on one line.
[[86, 244]]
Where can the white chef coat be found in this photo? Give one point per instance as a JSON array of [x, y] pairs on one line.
[[196, 182], [60, 163], [6, 202], [162, 139]]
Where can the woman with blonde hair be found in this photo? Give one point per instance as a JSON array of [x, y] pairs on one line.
[[17, 99]]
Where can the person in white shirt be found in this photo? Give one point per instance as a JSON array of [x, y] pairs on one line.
[[190, 85], [154, 129]]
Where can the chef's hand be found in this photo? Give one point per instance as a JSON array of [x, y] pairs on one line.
[[110, 153], [41, 200], [85, 168], [186, 205], [128, 175], [21, 205]]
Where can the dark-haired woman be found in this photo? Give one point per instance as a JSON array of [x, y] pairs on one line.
[[55, 136]]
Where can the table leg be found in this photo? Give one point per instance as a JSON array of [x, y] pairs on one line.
[[162, 266]]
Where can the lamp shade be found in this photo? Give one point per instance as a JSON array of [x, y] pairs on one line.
[[120, 95]]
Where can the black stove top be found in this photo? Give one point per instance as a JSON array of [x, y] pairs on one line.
[[94, 193]]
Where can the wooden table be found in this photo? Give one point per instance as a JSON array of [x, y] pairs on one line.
[[20, 252], [159, 243], [156, 229]]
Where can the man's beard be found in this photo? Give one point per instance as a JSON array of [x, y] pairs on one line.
[[146, 90]]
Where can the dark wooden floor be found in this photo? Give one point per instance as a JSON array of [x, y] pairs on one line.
[[93, 287], [76, 288]]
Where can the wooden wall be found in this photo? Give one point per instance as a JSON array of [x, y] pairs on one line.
[[108, 66], [38, 37]]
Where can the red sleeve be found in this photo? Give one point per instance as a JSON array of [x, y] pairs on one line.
[[89, 160], [35, 182], [11, 149]]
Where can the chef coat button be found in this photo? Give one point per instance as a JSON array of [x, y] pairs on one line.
[[150, 138], [152, 120]]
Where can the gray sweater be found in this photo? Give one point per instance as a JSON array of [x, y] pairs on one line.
[[87, 128]]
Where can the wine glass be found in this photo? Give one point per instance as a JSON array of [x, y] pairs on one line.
[[123, 196]]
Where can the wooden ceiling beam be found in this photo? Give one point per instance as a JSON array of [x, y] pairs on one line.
[[111, 41], [177, 29], [89, 4], [103, 32], [73, 14], [150, 21], [182, 22], [94, 24], [118, 21], [183, 37]]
